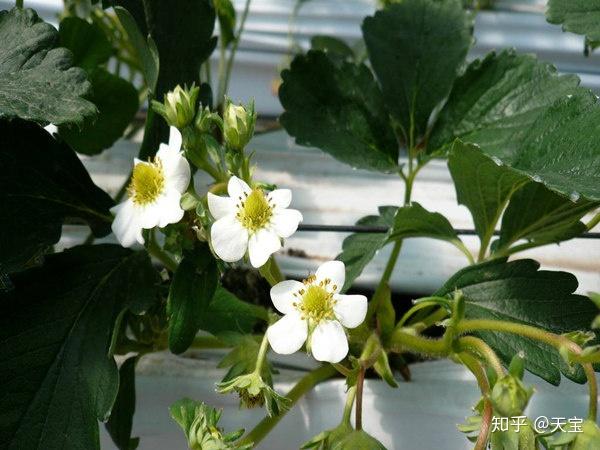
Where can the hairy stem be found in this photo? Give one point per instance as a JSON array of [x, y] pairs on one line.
[[360, 382], [475, 367], [478, 347], [306, 383], [262, 354]]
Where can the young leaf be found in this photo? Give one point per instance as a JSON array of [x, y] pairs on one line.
[[416, 48], [191, 292], [359, 249], [37, 81], [117, 102], [497, 99], [519, 292], [42, 185], [576, 16], [121, 416], [483, 186], [55, 332], [87, 42], [541, 216], [338, 107]]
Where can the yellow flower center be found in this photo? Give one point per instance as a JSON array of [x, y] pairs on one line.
[[254, 212], [316, 300], [147, 182]]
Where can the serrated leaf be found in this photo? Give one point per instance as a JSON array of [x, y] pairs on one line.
[[497, 99], [42, 185], [359, 249], [55, 332], [519, 292], [37, 81], [226, 16], [190, 295], [576, 16], [483, 186], [416, 48], [117, 102], [338, 107], [541, 216], [87, 42], [332, 46], [121, 416]]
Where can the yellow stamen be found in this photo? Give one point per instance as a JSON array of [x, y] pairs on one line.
[[147, 182], [255, 212]]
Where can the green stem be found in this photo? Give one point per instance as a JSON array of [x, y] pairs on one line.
[[461, 246], [19, 4], [348, 406], [262, 354], [360, 381], [592, 223], [484, 431], [416, 308], [342, 369], [401, 341], [551, 339], [271, 272], [235, 45], [477, 346], [155, 250], [385, 278], [221, 74], [306, 383]]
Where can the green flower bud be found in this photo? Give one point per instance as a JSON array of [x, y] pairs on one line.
[[253, 392], [510, 396], [358, 440], [238, 124], [179, 106]]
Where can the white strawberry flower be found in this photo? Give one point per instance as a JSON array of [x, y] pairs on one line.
[[154, 193], [252, 221], [315, 312]]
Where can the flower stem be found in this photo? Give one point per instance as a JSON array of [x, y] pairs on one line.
[[348, 405], [262, 354], [360, 381], [477, 346], [271, 272], [155, 250], [306, 383]]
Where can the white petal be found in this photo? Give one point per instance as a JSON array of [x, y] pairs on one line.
[[137, 161], [237, 188], [282, 295], [285, 221], [175, 139], [175, 168], [281, 198], [335, 271], [262, 244], [126, 226], [229, 239], [329, 342], [350, 309], [220, 206], [170, 208], [287, 335], [149, 215]]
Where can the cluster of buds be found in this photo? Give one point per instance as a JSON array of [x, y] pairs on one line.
[[179, 106]]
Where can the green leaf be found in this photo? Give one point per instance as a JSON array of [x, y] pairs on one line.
[[416, 221], [560, 149], [42, 185], [87, 42], [519, 292], [145, 48], [193, 287], [117, 102], [55, 332], [333, 46], [483, 186], [228, 313], [338, 107], [416, 48], [226, 16], [541, 216], [496, 100], [383, 369], [37, 81], [121, 416], [358, 249], [576, 16]]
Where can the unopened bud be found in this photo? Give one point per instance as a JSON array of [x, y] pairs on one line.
[[238, 124], [179, 106]]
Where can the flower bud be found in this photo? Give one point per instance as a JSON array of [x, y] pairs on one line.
[[179, 106], [238, 124], [253, 392], [510, 396], [357, 439]]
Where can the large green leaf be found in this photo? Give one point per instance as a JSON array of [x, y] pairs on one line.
[[117, 102], [482, 185], [519, 292], [42, 185], [87, 42], [338, 107], [576, 16], [541, 216], [37, 81], [416, 48], [497, 99], [560, 149], [359, 249], [190, 295], [416, 221], [55, 333], [121, 416]]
